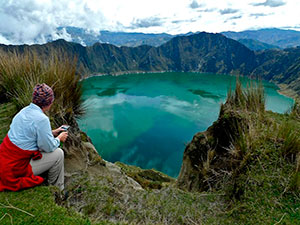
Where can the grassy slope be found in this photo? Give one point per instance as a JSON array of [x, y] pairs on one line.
[[269, 174], [103, 198], [39, 208], [268, 196], [100, 199], [253, 157]]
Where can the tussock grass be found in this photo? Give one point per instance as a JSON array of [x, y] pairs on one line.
[[251, 98], [295, 110], [236, 137], [7, 110], [288, 138], [19, 73]]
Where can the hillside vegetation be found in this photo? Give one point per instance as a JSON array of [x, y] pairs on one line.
[[245, 169]]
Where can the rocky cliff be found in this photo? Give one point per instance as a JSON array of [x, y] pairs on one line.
[[243, 149]]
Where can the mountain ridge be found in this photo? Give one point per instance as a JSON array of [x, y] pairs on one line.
[[256, 45], [281, 38], [201, 52], [273, 36]]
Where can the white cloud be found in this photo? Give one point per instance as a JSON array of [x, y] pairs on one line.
[[270, 3], [195, 5], [3, 40], [147, 22], [228, 11], [62, 34], [35, 21]]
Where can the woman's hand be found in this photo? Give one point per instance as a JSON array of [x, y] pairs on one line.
[[58, 130], [63, 136]]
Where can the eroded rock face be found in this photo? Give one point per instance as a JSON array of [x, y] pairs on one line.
[[82, 159], [207, 156]]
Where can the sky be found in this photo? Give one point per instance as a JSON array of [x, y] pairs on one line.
[[33, 21]]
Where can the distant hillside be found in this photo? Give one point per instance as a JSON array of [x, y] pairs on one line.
[[202, 52], [280, 66], [86, 37], [256, 45], [273, 36], [89, 38], [270, 38]]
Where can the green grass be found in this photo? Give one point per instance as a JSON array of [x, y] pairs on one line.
[[103, 198], [35, 206], [268, 197]]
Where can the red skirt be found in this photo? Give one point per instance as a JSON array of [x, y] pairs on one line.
[[15, 169]]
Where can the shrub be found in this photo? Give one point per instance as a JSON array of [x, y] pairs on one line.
[[19, 73]]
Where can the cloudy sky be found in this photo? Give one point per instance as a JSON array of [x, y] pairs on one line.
[[33, 21]]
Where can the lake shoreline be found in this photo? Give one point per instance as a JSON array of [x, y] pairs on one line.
[[153, 72], [283, 89]]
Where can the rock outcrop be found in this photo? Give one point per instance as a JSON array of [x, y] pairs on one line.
[[81, 158], [218, 156], [207, 157]]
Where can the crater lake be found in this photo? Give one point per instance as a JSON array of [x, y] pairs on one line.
[[147, 119]]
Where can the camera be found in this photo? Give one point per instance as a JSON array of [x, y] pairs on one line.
[[65, 127]]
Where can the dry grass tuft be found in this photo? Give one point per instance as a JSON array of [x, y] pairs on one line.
[[252, 98], [19, 73]]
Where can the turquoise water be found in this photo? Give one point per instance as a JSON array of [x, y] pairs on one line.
[[146, 119]]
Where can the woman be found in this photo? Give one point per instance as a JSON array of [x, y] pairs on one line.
[[30, 148]]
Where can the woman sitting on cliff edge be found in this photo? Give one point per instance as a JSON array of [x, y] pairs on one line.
[[30, 148]]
